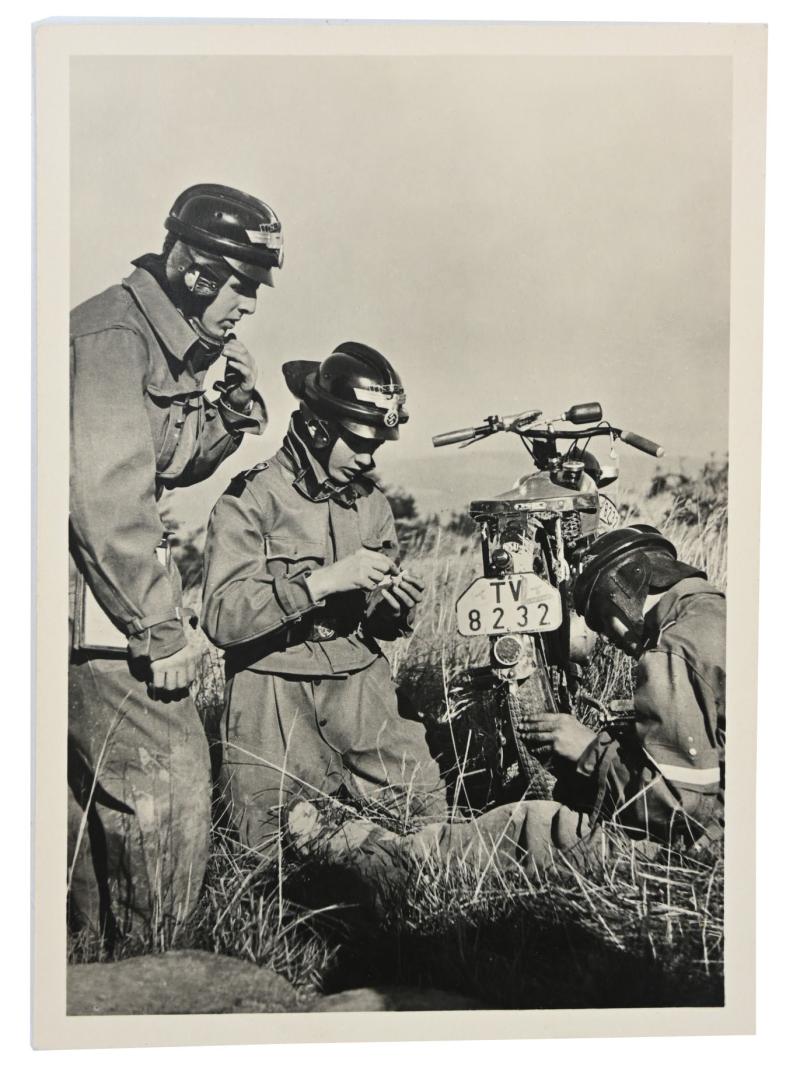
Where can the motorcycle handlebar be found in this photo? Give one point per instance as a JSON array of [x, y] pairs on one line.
[[470, 433], [453, 436], [652, 448]]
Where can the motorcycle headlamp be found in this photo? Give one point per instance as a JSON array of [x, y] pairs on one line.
[[507, 650]]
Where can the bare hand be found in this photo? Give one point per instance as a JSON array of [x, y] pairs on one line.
[[404, 593], [563, 734], [240, 361], [175, 672], [361, 570]]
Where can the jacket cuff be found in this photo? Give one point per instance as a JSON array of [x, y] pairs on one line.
[[294, 597], [237, 422], [159, 641]]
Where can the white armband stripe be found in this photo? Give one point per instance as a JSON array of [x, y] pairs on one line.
[[691, 776]]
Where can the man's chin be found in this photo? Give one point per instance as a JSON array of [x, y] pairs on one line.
[[217, 332], [341, 479]]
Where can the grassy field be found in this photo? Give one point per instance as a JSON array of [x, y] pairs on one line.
[[644, 931]]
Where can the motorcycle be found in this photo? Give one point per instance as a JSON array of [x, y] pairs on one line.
[[532, 540]]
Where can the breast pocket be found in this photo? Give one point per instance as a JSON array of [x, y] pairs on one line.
[[292, 556], [176, 432]]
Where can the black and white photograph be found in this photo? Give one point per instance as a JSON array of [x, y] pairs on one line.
[[399, 444]]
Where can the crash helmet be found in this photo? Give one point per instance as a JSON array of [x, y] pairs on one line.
[[620, 569], [232, 226], [355, 388]]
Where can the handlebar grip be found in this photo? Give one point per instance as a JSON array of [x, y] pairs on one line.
[[652, 448], [453, 436]]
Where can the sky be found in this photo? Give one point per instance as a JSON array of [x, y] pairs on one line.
[[512, 232]]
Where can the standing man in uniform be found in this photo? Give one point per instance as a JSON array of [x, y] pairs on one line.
[[661, 777], [139, 795], [301, 581]]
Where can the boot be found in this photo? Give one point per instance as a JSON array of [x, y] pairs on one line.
[[368, 860]]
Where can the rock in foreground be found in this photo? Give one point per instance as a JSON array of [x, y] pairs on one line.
[[394, 999], [192, 981], [186, 981]]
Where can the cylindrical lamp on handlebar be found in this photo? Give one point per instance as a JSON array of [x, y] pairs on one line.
[[584, 413]]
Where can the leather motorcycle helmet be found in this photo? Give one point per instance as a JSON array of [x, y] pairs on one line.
[[355, 388], [223, 222], [619, 570]]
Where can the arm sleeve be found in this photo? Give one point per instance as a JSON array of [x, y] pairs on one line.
[[664, 775], [114, 522], [242, 601], [221, 431], [238, 422]]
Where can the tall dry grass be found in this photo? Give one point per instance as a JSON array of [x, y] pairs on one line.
[[645, 929]]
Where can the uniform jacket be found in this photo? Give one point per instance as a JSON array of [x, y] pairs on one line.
[[275, 524], [666, 776], [140, 423]]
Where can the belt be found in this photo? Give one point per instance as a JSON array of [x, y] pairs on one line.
[[318, 627]]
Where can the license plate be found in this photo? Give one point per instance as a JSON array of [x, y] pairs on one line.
[[519, 603]]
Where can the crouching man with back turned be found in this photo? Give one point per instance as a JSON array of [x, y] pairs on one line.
[[660, 779], [139, 802], [300, 580]]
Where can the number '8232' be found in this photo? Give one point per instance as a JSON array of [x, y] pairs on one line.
[[516, 617], [522, 603]]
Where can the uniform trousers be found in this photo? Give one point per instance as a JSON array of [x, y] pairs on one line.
[[291, 736], [138, 802]]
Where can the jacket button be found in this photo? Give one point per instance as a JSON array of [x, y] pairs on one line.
[[693, 751], [323, 722]]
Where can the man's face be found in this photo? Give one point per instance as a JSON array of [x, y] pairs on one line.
[[237, 297], [351, 456], [609, 622]]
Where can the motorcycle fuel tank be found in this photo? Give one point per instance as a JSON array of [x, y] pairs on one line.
[[538, 492]]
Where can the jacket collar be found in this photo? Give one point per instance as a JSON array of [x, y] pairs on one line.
[[668, 609], [168, 324], [311, 478]]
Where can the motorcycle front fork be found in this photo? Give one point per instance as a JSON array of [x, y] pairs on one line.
[[519, 769], [548, 683]]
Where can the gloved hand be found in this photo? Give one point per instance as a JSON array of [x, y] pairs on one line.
[[242, 364], [175, 672]]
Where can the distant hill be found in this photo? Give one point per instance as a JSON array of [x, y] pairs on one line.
[[448, 479], [442, 482]]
